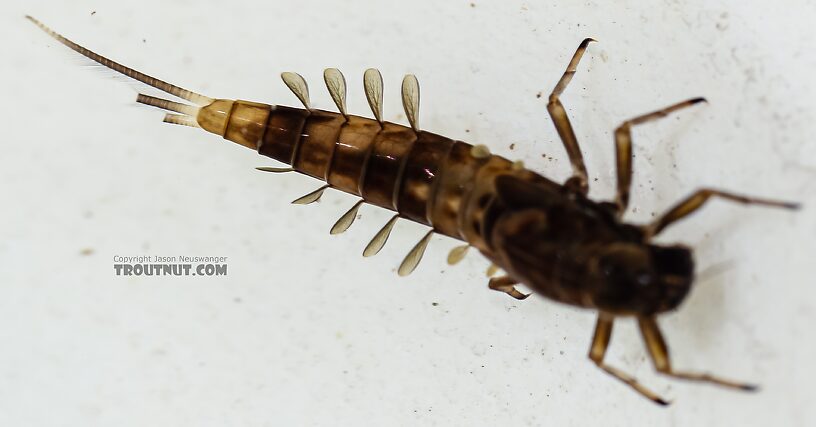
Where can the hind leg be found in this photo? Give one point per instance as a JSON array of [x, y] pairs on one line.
[[659, 353], [579, 179]]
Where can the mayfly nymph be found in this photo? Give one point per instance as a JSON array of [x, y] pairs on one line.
[[548, 236]]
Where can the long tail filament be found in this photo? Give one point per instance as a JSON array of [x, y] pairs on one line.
[[130, 72]]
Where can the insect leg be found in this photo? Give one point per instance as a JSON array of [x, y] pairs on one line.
[[623, 148], [698, 199], [600, 342], [659, 353], [505, 284], [562, 122]]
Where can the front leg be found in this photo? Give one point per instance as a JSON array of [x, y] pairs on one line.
[[659, 353], [597, 352]]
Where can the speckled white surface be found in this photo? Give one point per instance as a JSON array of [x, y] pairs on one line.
[[303, 331]]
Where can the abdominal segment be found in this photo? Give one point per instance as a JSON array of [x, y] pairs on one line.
[[423, 176]]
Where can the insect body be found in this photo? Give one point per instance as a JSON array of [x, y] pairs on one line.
[[549, 236]]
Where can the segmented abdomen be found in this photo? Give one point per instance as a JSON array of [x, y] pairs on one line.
[[423, 176]]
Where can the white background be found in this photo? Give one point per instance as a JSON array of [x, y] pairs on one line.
[[304, 331]]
